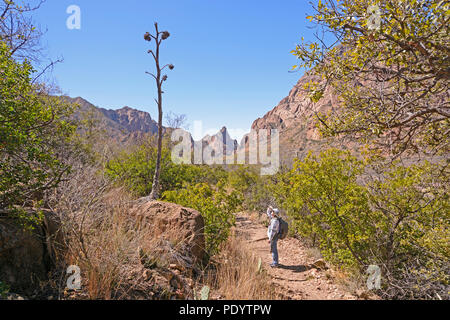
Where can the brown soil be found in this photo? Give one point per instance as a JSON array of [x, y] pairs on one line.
[[296, 276]]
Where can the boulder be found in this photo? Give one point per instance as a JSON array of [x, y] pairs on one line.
[[27, 256], [183, 227], [320, 264]]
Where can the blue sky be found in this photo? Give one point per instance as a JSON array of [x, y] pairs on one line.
[[232, 58]]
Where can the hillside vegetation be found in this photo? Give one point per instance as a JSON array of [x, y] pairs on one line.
[[380, 201]]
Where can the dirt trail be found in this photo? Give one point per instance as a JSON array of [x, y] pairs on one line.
[[296, 276]]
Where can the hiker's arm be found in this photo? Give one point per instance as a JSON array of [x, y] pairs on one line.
[[269, 210]]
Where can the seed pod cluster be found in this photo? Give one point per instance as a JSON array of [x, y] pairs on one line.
[[165, 35]]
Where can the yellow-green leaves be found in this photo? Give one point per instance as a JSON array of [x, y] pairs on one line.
[[363, 212], [392, 55], [216, 205]]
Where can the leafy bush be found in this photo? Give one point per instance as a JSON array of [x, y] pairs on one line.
[[411, 240], [4, 290], [216, 206], [325, 201], [364, 213], [252, 188], [135, 170], [34, 133]]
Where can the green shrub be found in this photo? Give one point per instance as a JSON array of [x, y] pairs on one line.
[[252, 188], [34, 136], [411, 214], [363, 213], [324, 201], [135, 170], [216, 206], [4, 289]]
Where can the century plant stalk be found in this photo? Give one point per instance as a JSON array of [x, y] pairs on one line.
[[159, 78]]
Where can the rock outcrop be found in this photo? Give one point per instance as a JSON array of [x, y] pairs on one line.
[[295, 118], [27, 256], [182, 227], [132, 120], [125, 125], [172, 249], [221, 143]]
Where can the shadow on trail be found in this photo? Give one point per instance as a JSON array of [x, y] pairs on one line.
[[299, 269]]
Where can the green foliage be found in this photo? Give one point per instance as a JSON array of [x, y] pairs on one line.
[[388, 63], [391, 76], [411, 214], [252, 188], [136, 169], [4, 289], [363, 213], [325, 201], [34, 133], [216, 205]]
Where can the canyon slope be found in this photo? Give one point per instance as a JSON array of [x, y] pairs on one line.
[[295, 118], [125, 125]]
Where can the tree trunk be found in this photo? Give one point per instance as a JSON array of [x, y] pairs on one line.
[[154, 195], [155, 185]]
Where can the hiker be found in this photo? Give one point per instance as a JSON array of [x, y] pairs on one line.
[[272, 233]]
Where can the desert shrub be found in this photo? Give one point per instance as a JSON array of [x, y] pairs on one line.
[[324, 200], [364, 213], [135, 170], [101, 238], [411, 240], [35, 136], [254, 189], [94, 216], [216, 205]]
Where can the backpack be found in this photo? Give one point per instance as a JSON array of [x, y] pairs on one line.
[[283, 229]]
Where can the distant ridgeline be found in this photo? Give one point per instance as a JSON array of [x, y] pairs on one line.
[[293, 118]]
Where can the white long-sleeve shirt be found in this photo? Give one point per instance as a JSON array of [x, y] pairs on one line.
[[273, 228]]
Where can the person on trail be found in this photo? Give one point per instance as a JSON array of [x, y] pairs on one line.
[[272, 233]]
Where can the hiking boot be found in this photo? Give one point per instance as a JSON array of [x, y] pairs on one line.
[[274, 265]]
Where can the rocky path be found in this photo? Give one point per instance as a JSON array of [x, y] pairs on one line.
[[297, 276]]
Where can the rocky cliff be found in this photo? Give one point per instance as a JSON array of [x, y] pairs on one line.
[[123, 125], [295, 118], [132, 120]]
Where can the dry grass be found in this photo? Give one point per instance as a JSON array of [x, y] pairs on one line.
[[114, 251], [100, 237], [351, 281], [236, 275], [102, 242], [314, 253]]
